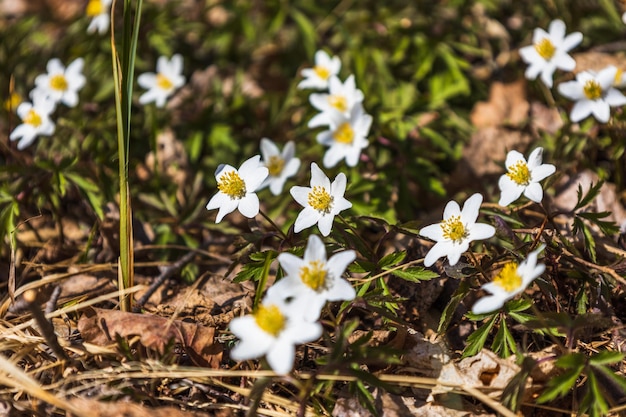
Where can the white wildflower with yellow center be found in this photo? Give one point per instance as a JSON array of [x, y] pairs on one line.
[[457, 230], [237, 188], [280, 165], [35, 119], [313, 280], [100, 13], [549, 51], [322, 201], [523, 177], [273, 330], [511, 281], [346, 138], [594, 94], [164, 82], [318, 76], [62, 84], [341, 97]]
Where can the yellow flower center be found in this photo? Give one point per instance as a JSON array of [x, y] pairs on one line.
[[618, 76], [322, 72], [592, 90], [58, 82], [232, 185], [94, 8], [275, 165], [32, 118], [519, 173], [163, 82], [314, 275], [270, 319], [338, 102], [453, 229], [320, 200], [545, 48], [12, 101], [344, 134], [508, 278]]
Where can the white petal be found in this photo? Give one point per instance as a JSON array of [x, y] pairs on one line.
[[542, 171], [615, 98], [581, 110], [342, 291], [315, 250], [557, 29], [451, 209], [307, 218], [439, 250], [433, 232], [325, 224], [512, 158], [281, 356], [225, 209], [471, 208], [301, 195], [338, 263], [571, 89], [249, 205], [571, 41], [488, 304], [564, 62], [147, 80], [290, 263], [338, 187], [601, 111], [481, 231], [535, 158], [268, 149], [534, 192]]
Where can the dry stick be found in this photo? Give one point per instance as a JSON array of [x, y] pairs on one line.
[[46, 328], [166, 273]]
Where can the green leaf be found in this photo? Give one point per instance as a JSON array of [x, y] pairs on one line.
[[593, 192], [504, 343], [606, 358], [560, 385], [415, 274], [476, 340], [392, 259], [448, 311]]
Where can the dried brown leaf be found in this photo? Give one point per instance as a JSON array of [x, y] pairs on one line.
[[507, 105], [99, 326], [116, 409]]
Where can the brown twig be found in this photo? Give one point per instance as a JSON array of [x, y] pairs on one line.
[[45, 327]]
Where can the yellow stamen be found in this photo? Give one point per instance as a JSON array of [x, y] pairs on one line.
[[519, 173], [270, 319], [338, 102], [508, 278], [94, 8], [454, 229], [232, 185], [322, 72], [344, 133], [163, 82], [275, 165], [545, 48], [320, 200], [58, 82], [618, 77], [314, 275], [32, 118], [12, 101], [592, 90]]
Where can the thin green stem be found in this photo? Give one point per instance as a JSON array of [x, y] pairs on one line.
[[357, 235], [274, 225]]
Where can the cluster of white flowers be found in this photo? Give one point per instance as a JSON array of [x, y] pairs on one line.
[[58, 85], [340, 111], [594, 93]]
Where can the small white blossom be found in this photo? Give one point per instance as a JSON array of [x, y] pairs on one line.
[[273, 330], [523, 177], [549, 51], [512, 280], [61, 84], [593, 93], [458, 228], [624, 18], [161, 85], [314, 280], [341, 97], [281, 166], [237, 188], [346, 137], [99, 11], [35, 120], [322, 201], [318, 76]]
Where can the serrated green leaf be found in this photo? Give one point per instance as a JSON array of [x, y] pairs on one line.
[[448, 311], [606, 358], [560, 385], [391, 259], [415, 274], [476, 341]]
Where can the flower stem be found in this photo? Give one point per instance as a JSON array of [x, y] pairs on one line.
[[357, 235], [274, 225]]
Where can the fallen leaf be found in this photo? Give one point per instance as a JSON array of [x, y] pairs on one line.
[[507, 105], [119, 408], [99, 326]]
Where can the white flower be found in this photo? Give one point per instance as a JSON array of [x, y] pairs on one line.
[[280, 165], [624, 18], [341, 97], [161, 85], [458, 228], [237, 188], [273, 330], [313, 280], [523, 177], [593, 93], [549, 51], [346, 137], [35, 119], [322, 201], [60, 83], [512, 280], [318, 76], [99, 11]]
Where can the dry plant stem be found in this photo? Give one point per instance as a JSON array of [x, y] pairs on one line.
[[46, 328], [166, 273], [274, 225], [51, 305], [479, 268]]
